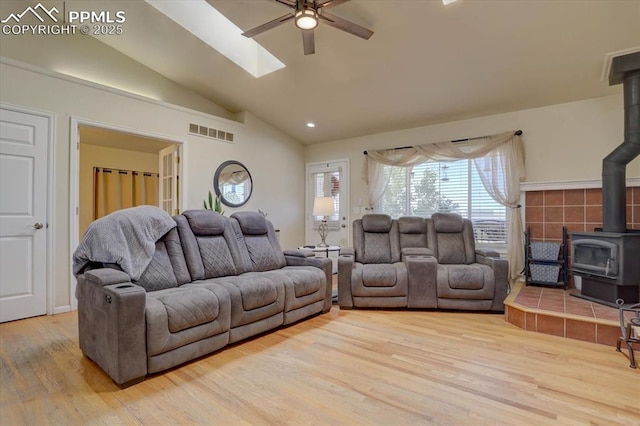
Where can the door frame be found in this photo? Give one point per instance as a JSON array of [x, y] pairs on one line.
[[308, 202], [49, 228], [74, 181]]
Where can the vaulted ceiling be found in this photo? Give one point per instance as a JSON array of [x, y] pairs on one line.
[[426, 63]]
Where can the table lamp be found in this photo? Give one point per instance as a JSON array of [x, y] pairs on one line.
[[323, 206]]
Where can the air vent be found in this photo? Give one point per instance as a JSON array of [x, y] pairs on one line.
[[209, 132]]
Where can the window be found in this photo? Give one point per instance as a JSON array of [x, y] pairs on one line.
[[453, 186]]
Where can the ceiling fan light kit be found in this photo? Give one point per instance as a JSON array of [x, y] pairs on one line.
[[306, 19], [306, 16]]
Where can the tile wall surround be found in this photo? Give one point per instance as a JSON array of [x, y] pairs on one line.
[[580, 210]]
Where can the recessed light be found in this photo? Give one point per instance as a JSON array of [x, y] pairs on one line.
[[310, 124]]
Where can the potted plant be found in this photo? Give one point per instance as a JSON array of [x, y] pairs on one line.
[[214, 204]]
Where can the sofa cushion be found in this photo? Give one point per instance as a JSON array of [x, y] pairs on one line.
[[451, 249], [376, 223], [412, 225], [262, 254], [305, 280], [258, 244], [379, 275], [208, 255], [413, 232], [257, 293], [444, 222], [216, 257], [254, 296], [377, 248], [251, 223], [189, 307], [168, 267], [206, 223], [159, 274], [466, 277]]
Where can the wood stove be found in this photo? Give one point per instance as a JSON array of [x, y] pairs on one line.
[[609, 264], [609, 261]]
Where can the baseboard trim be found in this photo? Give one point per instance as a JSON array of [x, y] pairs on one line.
[[61, 309]]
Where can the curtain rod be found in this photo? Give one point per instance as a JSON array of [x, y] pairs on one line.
[[517, 133], [122, 172]]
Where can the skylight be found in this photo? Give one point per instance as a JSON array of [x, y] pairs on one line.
[[202, 20]]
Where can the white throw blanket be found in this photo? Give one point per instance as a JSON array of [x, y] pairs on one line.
[[125, 237]]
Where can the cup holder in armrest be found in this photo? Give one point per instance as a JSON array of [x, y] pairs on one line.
[[125, 286]]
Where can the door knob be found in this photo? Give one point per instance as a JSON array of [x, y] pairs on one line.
[[38, 225]]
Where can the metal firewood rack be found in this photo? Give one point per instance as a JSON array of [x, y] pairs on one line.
[[546, 262], [630, 329]]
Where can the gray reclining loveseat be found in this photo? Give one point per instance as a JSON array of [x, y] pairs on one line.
[[154, 291], [414, 262]]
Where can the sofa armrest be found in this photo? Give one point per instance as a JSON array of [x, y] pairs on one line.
[[347, 251], [487, 253], [416, 252], [106, 276], [299, 253], [111, 324], [304, 260], [319, 262], [501, 273], [346, 262], [422, 283]]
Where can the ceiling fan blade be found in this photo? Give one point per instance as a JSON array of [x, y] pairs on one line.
[[345, 25], [308, 42], [288, 3], [326, 4], [269, 25]]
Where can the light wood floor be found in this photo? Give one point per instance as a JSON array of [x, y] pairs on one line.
[[345, 367]]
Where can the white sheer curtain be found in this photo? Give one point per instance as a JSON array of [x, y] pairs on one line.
[[499, 160], [378, 179], [501, 171]]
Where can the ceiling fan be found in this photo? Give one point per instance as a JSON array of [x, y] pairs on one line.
[[307, 14]]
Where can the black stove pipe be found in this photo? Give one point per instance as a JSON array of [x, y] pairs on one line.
[[614, 197]]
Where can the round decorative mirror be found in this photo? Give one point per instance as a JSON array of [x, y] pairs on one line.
[[232, 183]]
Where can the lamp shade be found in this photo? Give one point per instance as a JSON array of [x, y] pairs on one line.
[[323, 206]]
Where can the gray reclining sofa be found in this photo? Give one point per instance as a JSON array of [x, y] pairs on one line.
[[414, 262], [208, 281]]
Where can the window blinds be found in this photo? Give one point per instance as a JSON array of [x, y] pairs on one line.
[[452, 186]]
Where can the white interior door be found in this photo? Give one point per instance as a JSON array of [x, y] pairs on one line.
[[24, 146], [169, 178], [328, 179]]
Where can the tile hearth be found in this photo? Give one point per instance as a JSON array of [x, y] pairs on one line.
[[555, 311]]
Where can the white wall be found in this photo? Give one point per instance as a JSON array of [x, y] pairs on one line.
[[275, 161], [563, 142], [86, 58]]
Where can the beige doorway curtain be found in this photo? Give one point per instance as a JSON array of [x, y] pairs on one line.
[[120, 189]]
